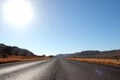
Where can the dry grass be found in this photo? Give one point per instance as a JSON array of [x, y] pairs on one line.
[[112, 62], [20, 58]]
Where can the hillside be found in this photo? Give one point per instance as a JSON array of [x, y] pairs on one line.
[[95, 54], [13, 50]]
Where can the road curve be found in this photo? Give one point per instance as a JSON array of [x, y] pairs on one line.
[[57, 69]]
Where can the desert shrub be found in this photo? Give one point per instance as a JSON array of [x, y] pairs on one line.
[[5, 56], [51, 56], [43, 55]]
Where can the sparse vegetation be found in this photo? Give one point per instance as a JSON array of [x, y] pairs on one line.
[[16, 54], [51, 56], [20, 58], [112, 62], [43, 55]]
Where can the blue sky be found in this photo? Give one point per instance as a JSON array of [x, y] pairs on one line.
[[67, 26]]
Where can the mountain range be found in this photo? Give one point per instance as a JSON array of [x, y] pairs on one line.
[[93, 53]]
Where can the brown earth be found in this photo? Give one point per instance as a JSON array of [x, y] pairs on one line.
[[112, 62], [20, 58]]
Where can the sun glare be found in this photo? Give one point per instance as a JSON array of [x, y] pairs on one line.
[[18, 12]]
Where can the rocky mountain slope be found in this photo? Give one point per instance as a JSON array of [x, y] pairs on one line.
[[13, 50]]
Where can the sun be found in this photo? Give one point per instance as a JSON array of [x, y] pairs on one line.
[[18, 12]]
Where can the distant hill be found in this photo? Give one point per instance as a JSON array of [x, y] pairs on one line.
[[63, 55], [96, 54], [109, 54], [86, 53], [13, 50]]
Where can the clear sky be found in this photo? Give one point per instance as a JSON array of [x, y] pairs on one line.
[[66, 26]]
